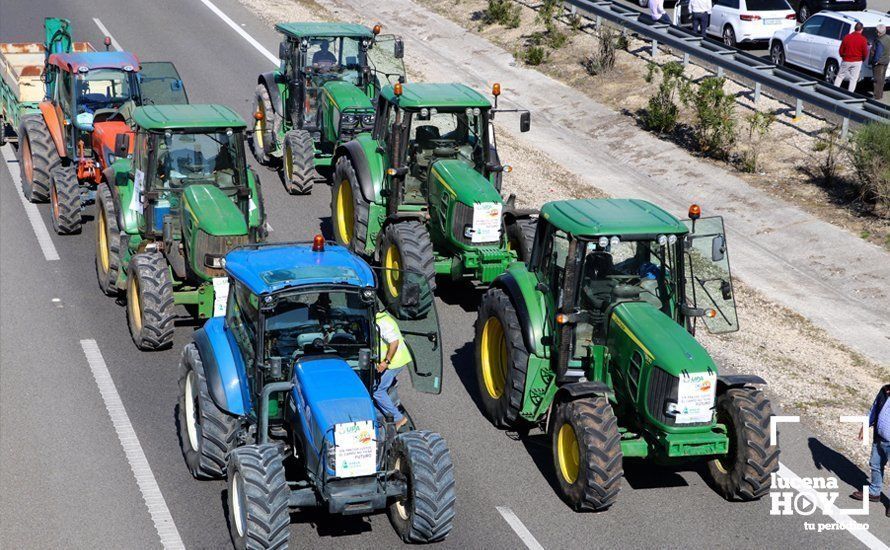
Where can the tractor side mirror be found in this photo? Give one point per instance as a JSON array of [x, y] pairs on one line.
[[398, 49], [122, 145], [718, 248], [525, 122], [364, 359], [283, 50], [726, 290]]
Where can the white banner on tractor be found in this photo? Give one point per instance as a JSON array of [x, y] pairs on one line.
[[356, 449]]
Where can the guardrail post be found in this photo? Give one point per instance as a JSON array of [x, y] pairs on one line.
[[599, 22], [756, 92], [685, 59], [719, 72], [845, 127], [654, 47]]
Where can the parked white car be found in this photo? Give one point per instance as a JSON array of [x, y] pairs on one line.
[[745, 21], [814, 45]]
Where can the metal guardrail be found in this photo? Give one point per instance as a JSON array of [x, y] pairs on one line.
[[804, 89]]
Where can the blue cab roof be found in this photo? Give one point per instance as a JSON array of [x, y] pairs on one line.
[[273, 267]]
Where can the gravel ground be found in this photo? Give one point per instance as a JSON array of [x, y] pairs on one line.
[[808, 372]]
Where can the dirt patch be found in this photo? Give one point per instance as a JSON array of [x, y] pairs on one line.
[[809, 372]]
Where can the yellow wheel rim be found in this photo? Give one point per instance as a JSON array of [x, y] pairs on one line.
[[494, 357], [102, 240], [259, 127], [133, 304], [345, 213], [392, 261], [568, 453], [288, 164]]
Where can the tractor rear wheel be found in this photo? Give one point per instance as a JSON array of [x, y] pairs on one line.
[[521, 237], [587, 453], [64, 196], [265, 128], [298, 164], [206, 433], [349, 209], [108, 241], [150, 301], [38, 157], [426, 513], [744, 473], [501, 359], [258, 497], [407, 252]]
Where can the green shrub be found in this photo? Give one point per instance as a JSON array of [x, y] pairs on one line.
[[662, 111], [602, 60], [828, 142], [758, 129], [870, 155], [714, 122], [533, 55], [502, 12]]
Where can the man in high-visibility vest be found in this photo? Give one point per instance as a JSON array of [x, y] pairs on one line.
[[394, 354]]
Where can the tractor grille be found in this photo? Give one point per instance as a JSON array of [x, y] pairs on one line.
[[463, 218], [663, 386], [215, 245]]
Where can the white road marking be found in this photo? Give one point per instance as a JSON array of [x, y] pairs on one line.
[[114, 43], [145, 479], [774, 422], [43, 238], [521, 530], [865, 537], [253, 42]]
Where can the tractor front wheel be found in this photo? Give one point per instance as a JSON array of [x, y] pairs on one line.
[[265, 127], [298, 164], [38, 157], [521, 237], [258, 497], [150, 301], [587, 453], [349, 209], [426, 513], [64, 195], [744, 472], [108, 242], [501, 359], [406, 253], [206, 433]]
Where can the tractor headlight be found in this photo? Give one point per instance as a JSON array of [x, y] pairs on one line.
[[214, 261], [672, 240], [671, 409], [349, 120], [604, 242], [662, 240], [368, 120], [424, 112], [614, 241]]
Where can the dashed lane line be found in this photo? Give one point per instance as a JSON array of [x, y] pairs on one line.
[[114, 43], [43, 238], [519, 528], [251, 40]]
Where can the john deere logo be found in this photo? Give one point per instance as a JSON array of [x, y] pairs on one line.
[[229, 242]]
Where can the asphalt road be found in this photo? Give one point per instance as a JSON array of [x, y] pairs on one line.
[[65, 480]]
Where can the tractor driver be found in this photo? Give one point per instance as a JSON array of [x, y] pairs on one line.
[[324, 56], [394, 355]]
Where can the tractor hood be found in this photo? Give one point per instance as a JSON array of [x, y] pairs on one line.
[[464, 182], [346, 96], [209, 209], [665, 343]]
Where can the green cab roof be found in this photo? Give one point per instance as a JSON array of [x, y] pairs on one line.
[[302, 29], [417, 95], [177, 117], [598, 217]]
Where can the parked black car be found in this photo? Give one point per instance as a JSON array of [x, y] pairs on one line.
[[806, 8]]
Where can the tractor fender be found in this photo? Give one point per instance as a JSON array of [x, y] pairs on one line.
[[356, 154], [577, 390], [727, 381], [224, 381], [512, 213], [531, 334], [270, 81], [51, 117]]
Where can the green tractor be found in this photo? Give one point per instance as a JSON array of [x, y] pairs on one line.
[[168, 215], [422, 190], [321, 96], [593, 341]]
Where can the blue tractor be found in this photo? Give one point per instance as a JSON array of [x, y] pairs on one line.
[[276, 396]]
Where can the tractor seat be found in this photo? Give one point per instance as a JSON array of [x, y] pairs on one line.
[[425, 135]]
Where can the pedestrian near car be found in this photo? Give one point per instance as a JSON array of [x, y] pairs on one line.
[[701, 16], [879, 420], [880, 60], [394, 355], [658, 13], [853, 52]]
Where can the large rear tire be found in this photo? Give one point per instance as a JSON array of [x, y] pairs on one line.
[[64, 196], [501, 360], [38, 157], [744, 473], [265, 129], [298, 162], [521, 237], [406, 251], [150, 301], [426, 514], [349, 209], [108, 242], [258, 497], [206, 433], [587, 453]]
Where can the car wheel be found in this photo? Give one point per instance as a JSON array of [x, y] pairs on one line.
[[729, 37], [831, 70], [777, 54]]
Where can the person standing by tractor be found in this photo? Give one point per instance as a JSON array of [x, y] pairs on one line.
[[879, 419], [880, 60], [394, 354], [701, 16], [853, 52], [658, 13]]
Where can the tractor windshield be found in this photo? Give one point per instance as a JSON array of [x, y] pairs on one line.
[[182, 159], [102, 89], [336, 322], [447, 134], [337, 57]]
